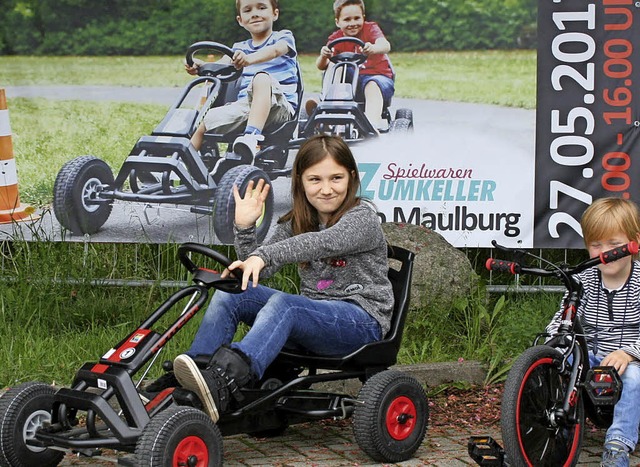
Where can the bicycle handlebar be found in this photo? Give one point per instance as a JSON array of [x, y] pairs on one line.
[[513, 267]]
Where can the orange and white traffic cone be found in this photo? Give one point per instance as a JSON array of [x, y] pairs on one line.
[[10, 207]]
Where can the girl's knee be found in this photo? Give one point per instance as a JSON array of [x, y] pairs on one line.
[[278, 304]]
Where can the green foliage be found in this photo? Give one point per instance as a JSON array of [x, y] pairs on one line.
[[56, 315], [492, 329], [160, 27]]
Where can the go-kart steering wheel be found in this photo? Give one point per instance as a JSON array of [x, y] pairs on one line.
[[232, 283], [353, 57], [225, 72]]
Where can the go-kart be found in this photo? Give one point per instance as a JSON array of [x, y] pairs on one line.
[[340, 110], [104, 408], [164, 167]]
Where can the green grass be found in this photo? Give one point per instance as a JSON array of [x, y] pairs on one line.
[[55, 317], [493, 77], [48, 133], [52, 325]]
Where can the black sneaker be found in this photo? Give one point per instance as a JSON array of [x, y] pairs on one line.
[[209, 385]]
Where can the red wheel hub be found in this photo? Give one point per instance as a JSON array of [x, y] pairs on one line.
[[191, 451], [401, 418]]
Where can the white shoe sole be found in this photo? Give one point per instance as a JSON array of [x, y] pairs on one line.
[[189, 376], [243, 149]]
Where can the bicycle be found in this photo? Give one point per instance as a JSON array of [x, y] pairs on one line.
[[551, 389]]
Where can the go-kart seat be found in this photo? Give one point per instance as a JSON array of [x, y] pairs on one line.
[[374, 356]]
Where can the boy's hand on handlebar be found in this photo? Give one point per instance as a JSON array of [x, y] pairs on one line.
[[368, 49], [326, 52], [250, 270], [240, 59], [193, 70], [619, 359], [249, 208]]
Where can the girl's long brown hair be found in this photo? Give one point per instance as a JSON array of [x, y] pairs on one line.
[[303, 216]]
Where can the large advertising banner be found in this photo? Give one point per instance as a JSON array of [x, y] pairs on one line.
[[587, 123], [471, 192]]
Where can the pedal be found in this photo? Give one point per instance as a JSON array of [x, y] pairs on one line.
[[603, 385], [185, 397], [486, 451]]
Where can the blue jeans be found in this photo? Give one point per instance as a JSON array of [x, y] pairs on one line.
[[626, 413], [324, 327]]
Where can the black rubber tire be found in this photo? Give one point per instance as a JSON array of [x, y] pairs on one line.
[[533, 389], [401, 125], [23, 409], [77, 180], [383, 399], [225, 203], [177, 433], [404, 113]]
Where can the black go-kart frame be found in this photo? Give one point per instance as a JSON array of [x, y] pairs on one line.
[[339, 110], [165, 168], [390, 412]]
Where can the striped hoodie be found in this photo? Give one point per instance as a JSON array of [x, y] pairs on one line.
[[610, 318]]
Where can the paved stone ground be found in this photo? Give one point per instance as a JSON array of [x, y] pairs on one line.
[[331, 444]]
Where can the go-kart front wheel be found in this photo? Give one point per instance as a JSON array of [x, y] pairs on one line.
[[24, 409], [77, 184], [390, 421], [180, 435], [225, 203]]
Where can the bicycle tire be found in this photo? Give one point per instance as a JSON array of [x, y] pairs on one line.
[[533, 390]]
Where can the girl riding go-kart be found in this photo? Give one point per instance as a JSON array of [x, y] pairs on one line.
[[330, 234]]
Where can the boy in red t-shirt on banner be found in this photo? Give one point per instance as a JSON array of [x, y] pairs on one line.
[[376, 73]]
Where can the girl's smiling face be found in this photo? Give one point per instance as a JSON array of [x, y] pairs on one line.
[[325, 186]]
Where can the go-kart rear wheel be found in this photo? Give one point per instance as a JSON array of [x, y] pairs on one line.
[[24, 409], [401, 125], [391, 419], [180, 435], [78, 182], [225, 203]]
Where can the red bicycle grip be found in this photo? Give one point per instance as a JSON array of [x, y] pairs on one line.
[[502, 266], [630, 248]]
